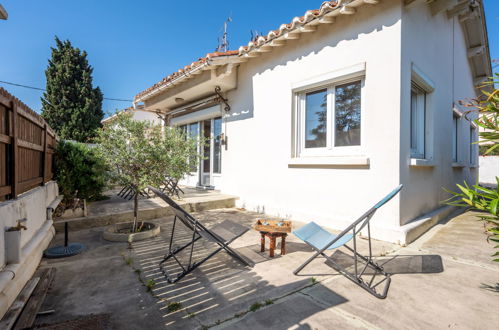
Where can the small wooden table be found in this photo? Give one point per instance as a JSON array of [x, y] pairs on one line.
[[273, 229]]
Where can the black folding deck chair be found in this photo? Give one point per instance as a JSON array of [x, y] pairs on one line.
[[221, 234], [321, 240]]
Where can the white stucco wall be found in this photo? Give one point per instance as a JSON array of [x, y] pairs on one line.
[[436, 45], [259, 130], [141, 115], [489, 169], [389, 39], [31, 205]]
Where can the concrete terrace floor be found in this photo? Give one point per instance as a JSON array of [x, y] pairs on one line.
[[116, 204], [443, 280]]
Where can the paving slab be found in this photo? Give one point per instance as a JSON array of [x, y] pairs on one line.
[[463, 237], [435, 283], [97, 282], [296, 312], [454, 298], [221, 287]]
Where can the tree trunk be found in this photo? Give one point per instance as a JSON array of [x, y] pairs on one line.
[[135, 211]]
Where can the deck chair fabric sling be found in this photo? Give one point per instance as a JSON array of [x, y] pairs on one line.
[[321, 240], [221, 234]]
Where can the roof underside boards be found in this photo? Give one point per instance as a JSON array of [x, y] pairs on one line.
[[471, 15]]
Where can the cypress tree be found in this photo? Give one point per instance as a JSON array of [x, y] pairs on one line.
[[71, 105]]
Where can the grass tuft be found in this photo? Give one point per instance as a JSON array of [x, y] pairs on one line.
[[173, 307], [150, 284], [256, 306]]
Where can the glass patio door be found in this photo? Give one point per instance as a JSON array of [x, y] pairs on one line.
[[205, 164], [211, 133]]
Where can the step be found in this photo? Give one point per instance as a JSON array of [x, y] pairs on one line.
[[190, 204]]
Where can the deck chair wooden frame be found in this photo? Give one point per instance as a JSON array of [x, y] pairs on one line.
[[221, 234], [321, 240]]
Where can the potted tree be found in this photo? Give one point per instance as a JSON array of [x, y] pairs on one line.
[[139, 154]]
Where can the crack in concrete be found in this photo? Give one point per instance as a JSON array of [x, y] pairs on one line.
[[240, 315]]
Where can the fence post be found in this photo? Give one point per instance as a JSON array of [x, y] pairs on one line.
[[44, 165], [14, 152]]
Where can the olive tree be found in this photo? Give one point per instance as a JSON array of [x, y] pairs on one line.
[[140, 153]]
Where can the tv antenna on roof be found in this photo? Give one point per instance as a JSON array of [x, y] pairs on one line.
[[223, 43], [255, 34]]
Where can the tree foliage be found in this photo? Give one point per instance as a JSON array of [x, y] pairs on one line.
[[80, 172], [140, 153], [70, 104]]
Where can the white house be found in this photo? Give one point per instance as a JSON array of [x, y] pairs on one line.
[[138, 113], [322, 117]]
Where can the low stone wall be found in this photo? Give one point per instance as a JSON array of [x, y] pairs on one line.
[[32, 206], [489, 169]]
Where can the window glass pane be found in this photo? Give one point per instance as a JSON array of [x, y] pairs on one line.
[[193, 134], [182, 129], [316, 119], [418, 129], [414, 120], [347, 114], [472, 145], [206, 151], [193, 130], [217, 145], [454, 138]]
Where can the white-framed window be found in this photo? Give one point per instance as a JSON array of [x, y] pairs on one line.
[[421, 123], [455, 136], [329, 118], [473, 145], [418, 122]]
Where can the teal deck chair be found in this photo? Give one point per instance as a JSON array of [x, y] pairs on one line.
[[321, 240]]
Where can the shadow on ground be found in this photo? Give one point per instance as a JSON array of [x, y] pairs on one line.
[[219, 289]]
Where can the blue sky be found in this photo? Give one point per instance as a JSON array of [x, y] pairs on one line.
[[134, 44]]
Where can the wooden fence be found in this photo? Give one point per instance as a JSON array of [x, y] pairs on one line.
[[27, 146]]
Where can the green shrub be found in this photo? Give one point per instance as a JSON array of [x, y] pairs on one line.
[[80, 172], [483, 149]]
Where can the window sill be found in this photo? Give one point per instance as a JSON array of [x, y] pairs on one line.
[[473, 165], [417, 162], [330, 161], [458, 165]]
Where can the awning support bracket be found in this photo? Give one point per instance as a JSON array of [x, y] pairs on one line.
[[218, 91]]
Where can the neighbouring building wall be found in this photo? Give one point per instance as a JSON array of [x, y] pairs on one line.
[[141, 115], [489, 170], [436, 46], [31, 205], [257, 163]]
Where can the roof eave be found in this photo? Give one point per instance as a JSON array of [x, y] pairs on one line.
[[3, 13]]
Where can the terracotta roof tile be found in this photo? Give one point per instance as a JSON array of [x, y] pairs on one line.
[[186, 69], [309, 15]]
